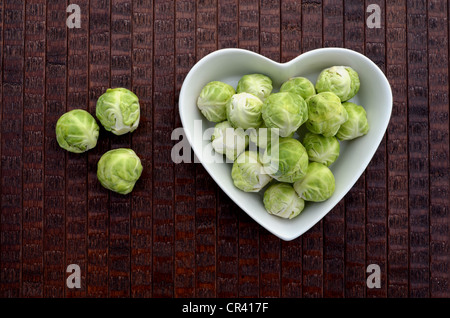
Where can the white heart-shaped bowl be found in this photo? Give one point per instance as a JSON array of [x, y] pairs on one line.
[[229, 65]]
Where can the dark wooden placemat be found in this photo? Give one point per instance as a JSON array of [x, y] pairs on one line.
[[178, 234]]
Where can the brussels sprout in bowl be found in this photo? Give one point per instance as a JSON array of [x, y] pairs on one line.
[[259, 85], [77, 131], [230, 65], [248, 172], [228, 140], [244, 111], [213, 99]]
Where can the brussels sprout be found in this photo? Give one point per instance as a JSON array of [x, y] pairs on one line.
[[213, 100], [256, 84], [356, 125], [325, 114], [118, 110], [299, 85], [248, 173], [244, 111], [77, 131], [263, 136], [285, 111], [280, 199], [229, 141], [317, 185], [341, 80], [119, 169], [324, 150], [286, 160]]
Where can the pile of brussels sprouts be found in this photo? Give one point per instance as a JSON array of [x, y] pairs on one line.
[[118, 111], [289, 169]]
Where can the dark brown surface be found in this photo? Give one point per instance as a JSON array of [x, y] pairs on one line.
[[178, 234]]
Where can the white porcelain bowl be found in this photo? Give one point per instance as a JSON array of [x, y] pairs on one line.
[[229, 65]]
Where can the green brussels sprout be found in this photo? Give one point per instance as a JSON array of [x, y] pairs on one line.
[[317, 185], [299, 85], [256, 84], [248, 173], [324, 150], [280, 199], [244, 111], [286, 160], [285, 111], [119, 169], [229, 141], [77, 131], [356, 125], [325, 114], [263, 136], [341, 80], [213, 99], [118, 110]]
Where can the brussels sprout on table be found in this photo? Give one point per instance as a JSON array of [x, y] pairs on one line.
[[356, 125], [118, 110], [280, 199], [244, 111], [229, 141], [77, 131], [285, 111], [317, 185], [321, 149], [213, 99], [118, 170], [341, 80], [286, 160], [325, 114], [300, 86], [248, 174], [256, 84]]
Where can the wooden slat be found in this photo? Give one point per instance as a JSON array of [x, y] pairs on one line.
[[418, 147], [163, 168], [33, 133], [291, 30], [184, 253], [312, 256], [55, 157], [334, 221], [2, 7], [120, 205], [438, 100], [12, 149], [228, 17], [248, 249], [206, 189], [77, 164], [397, 141], [376, 192], [98, 197], [291, 45], [354, 25], [141, 219], [270, 245], [227, 267]]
